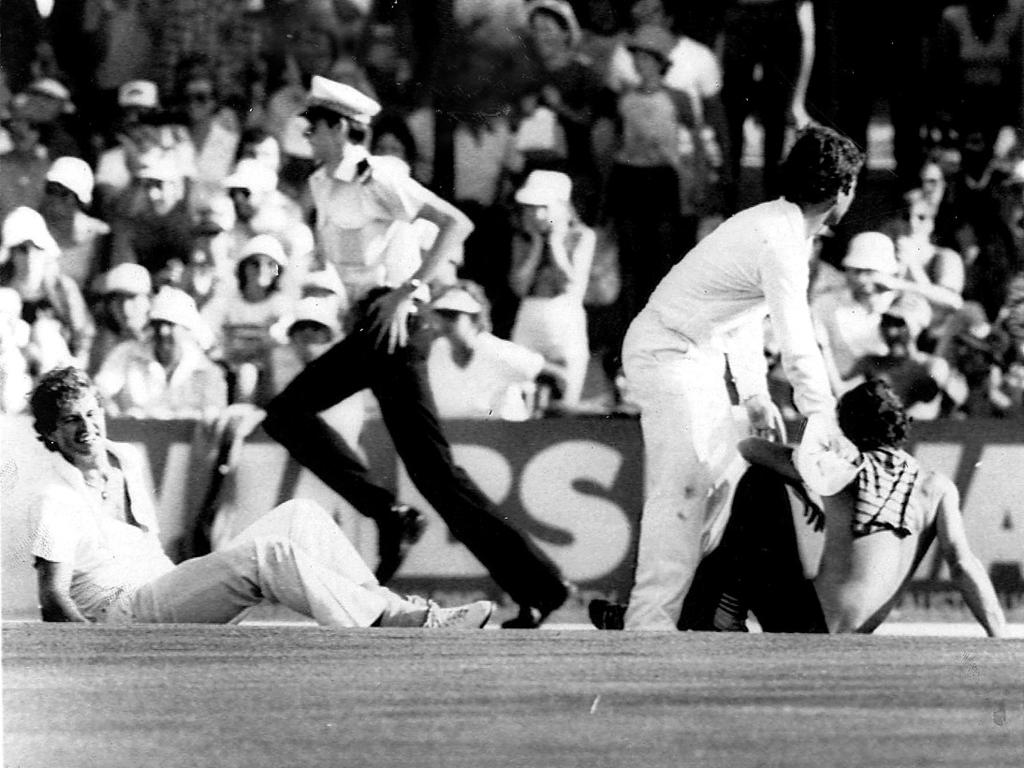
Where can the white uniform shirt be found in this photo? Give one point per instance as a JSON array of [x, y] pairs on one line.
[[363, 217], [135, 384], [110, 558], [753, 264], [492, 386]]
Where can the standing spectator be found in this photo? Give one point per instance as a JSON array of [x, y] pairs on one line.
[[52, 304], [472, 373], [560, 101], [775, 37], [166, 376], [82, 239], [648, 179], [123, 310], [551, 262], [23, 168], [358, 200]]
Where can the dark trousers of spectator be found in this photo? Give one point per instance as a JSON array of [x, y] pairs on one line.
[[399, 382], [767, 35], [757, 565], [644, 207]]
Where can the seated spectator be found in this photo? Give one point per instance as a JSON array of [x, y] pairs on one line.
[[93, 540], [262, 209], [82, 239], [918, 379], [244, 319], [123, 310], [166, 376], [213, 128], [23, 168], [50, 104], [52, 304], [848, 322], [210, 270], [551, 260], [975, 353], [155, 229], [257, 144], [393, 138], [138, 103], [472, 373], [15, 380]]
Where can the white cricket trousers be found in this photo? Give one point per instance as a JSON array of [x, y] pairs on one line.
[[296, 556], [556, 327], [689, 437]]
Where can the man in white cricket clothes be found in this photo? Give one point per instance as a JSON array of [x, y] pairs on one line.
[[712, 304]]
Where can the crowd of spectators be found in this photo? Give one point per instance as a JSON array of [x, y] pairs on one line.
[[157, 230]]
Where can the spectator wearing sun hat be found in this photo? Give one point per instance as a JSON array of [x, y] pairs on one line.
[[245, 319], [262, 209], [52, 303], [848, 321], [551, 260], [155, 227], [82, 238], [49, 101], [166, 375], [122, 312], [473, 374]]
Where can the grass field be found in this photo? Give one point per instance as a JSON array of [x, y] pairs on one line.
[[285, 696]]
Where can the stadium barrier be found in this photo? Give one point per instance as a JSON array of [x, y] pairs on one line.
[[573, 484]]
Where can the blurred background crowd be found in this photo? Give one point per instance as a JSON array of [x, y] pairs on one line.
[[158, 232]]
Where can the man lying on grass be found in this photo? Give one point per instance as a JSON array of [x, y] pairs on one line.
[[92, 537]]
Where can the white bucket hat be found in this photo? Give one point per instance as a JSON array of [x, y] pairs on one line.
[[25, 225], [175, 306], [75, 174], [545, 188]]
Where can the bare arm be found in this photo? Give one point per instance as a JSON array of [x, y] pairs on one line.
[[805, 20], [967, 571], [54, 584]]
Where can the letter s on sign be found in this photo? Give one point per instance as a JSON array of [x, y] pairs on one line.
[[599, 528]]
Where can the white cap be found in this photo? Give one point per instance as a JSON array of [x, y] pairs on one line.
[[175, 306], [317, 310], [457, 300], [132, 279], [252, 175], [341, 98], [545, 188], [53, 89], [872, 250], [266, 245], [75, 174], [159, 164], [324, 279], [25, 225], [139, 93]]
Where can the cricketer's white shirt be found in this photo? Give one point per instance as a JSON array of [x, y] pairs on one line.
[[110, 558], [755, 263]]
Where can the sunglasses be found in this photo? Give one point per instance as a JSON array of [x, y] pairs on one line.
[[199, 97]]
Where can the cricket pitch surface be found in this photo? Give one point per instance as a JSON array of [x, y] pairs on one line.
[[296, 696]]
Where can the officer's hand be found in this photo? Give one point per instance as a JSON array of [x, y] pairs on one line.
[[765, 419], [389, 318]]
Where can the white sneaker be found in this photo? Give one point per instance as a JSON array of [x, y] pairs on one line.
[[469, 616]]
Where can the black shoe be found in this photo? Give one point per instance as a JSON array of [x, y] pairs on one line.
[[402, 527], [531, 617], [607, 615]]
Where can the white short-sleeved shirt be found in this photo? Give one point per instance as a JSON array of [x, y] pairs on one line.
[[110, 558], [848, 328], [135, 384], [361, 211], [490, 387]]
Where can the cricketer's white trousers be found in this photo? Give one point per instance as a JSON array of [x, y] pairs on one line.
[[689, 438], [294, 555], [556, 327]]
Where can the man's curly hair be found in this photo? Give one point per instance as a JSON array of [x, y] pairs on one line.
[[872, 416], [54, 391], [822, 164]]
